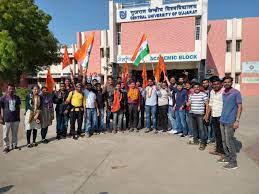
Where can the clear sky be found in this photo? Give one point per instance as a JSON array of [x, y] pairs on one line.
[[71, 16]]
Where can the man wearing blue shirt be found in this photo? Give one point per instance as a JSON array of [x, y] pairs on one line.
[[229, 122]]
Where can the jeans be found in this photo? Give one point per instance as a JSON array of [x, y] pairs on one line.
[[133, 116], [211, 134], [181, 121], [162, 123], [108, 119], [90, 123], [198, 129], [188, 121], [13, 126], [141, 121], [117, 120], [62, 123], [171, 117], [151, 110], [101, 121], [227, 133], [215, 125], [76, 116]]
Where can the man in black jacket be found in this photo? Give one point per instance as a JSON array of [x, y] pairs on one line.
[[59, 98]]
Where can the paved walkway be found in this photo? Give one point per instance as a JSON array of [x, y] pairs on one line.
[[130, 163]]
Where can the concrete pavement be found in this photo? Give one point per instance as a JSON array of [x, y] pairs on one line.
[[131, 163]]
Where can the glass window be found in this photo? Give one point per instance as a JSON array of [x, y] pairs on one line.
[[102, 52], [119, 34], [238, 47], [197, 28], [237, 78], [229, 45], [108, 52]]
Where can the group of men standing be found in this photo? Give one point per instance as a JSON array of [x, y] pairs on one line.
[[189, 109]]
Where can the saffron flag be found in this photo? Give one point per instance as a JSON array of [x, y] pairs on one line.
[[141, 51], [144, 76], [162, 64], [50, 83], [161, 67], [82, 55], [66, 60], [125, 73]]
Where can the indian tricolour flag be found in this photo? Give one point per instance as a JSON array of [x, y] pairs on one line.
[[141, 51], [82, 55]]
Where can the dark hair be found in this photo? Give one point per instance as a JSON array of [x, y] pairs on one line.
[[179, 84], [98, 84], [88, 83], [95, 80], [188, 82], [109, 77], [132, 81], [205, 80], [44, 87], [118, 77], [10, 85], [227, 77], [196, 84], [35, 86], [215, 79]]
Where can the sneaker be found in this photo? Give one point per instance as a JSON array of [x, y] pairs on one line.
[[223, 160], [147, 130], [231, 166], [131, 129], [202, 147], [6, 150], [34, 145], [29, 145], [45, 141], [87, 135], [191, 142]]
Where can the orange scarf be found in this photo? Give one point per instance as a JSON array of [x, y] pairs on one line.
[[116, 102], [133, 94]]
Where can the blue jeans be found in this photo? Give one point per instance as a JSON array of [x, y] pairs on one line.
[[198, 128], [150, 110], [181, 121], [188, 121], [171, 116], [101, 120], [211, 134], [62, 123], [90, 122]]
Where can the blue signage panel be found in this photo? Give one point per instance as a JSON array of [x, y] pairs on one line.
[[250, 67]]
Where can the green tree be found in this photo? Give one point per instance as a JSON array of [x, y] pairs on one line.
[[26, 43]]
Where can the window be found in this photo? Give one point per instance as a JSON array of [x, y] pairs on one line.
[[238, 47], [118, 34], [237, 78], [102, 52], [197, 28], [108, 52], [229, 45]]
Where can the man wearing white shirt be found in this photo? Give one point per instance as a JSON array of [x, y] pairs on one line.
[[91, 110], [215, 110]]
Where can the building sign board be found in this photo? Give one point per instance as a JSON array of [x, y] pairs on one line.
[[250, 67], [161, 12], [250, 80], [174, 57]]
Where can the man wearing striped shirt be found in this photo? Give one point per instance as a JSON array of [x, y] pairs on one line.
[[215, 110], [198, 101]]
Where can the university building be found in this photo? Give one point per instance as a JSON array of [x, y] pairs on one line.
[[179, 30]]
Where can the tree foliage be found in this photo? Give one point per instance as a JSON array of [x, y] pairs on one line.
[[26, 43]]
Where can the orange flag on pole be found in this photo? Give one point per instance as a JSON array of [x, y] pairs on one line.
[[144, 76], [50, 83], [125, 73], [161, 67], [66, 60], [82, 55]]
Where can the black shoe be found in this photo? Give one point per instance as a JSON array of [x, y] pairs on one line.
[[182, 135], [6, 150], [45, 141], [58, 137], [34, 145], [29, 145], [75, 137], [231, 166]]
